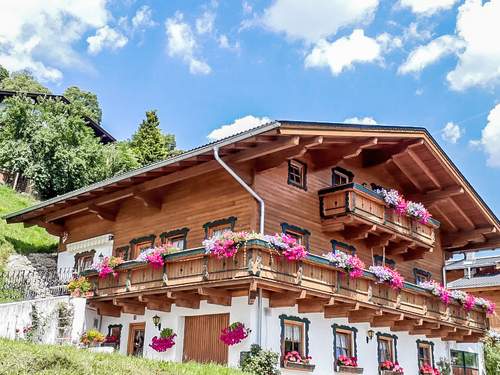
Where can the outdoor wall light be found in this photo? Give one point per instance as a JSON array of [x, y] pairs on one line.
[[369, 335], [156, 322], [101, 257]]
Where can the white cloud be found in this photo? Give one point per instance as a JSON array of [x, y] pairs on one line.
[[106, 38], [427, 7], [224, 43], [247, 7], [181, 43], [361, 121], [239, 125], [452, 132], [143, 18], [427, 54], [39, 35], [479, 63], [205, 23], [490, 137], [311, 21], [344, 52]]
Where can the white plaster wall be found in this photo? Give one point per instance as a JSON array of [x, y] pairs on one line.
[[66, 259]]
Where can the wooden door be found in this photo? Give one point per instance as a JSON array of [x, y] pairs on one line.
[[136, 339], [201, 338]]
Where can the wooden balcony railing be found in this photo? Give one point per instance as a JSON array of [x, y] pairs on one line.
[[313, 284], [366, 215]]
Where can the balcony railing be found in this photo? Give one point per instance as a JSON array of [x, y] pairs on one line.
[[356, 206], [313, 284]]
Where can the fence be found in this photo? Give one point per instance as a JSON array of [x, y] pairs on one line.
[[21, 285], [16, 181]]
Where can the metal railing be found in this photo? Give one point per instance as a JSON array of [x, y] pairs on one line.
[[28, 284]]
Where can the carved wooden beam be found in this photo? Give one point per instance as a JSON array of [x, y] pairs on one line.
[[463, 237], [433, 197], [288, 299], [409, 176], [363, 315], [341, 310], [359, 233], [297, 151], [149, 200], [445, 218], [102, 213], [386, 320], [399, 248], [406, 325], [159, 303], [417, 253], [333, 156], [52, 228], [130, 306], [462, 213], [106, 308], [375, 157], [424, 168], [216, 296]]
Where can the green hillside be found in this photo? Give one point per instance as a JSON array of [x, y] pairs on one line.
[[15, 237]]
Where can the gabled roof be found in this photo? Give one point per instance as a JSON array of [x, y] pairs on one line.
[[410, 155], [475, 282], [473, 263], [99, 131]]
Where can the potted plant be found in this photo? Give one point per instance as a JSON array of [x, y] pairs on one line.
[[348, 365], [80, 287], [390, 368], [107, 266], [427, 369], [92, 338], [164, 342], [293, 360], [234, 334]]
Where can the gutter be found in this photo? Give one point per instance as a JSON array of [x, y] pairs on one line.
[[260, 305]]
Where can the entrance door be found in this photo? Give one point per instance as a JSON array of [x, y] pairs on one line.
[[201, 338], [136, 339]]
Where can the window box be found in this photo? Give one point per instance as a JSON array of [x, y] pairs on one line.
[[299, 366], [349, 370], [389, 372]]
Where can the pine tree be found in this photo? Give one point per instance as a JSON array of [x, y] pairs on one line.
[[149, 143]]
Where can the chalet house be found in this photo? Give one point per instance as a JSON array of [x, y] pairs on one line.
[[320, 184], [479, 276]]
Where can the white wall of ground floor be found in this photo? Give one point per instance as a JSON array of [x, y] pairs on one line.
[[320, 336]]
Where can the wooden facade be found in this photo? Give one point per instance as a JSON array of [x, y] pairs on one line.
[[192, 190]]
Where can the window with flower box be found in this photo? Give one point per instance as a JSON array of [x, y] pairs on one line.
[[295, 338], [297, 174], [421, 276], [300, 234], [342, 247], [425, 353], [218, 227], [175, 238], [344, 345], [378, 260], [141, 243], [386, 345], [122, 252]]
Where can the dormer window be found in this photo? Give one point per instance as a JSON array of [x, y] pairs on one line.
[[341, 176], [297, 174]]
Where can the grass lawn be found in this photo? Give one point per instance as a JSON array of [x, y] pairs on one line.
[[16, 238], [20, 357]]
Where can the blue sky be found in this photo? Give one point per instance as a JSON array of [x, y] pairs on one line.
[[203, 64]]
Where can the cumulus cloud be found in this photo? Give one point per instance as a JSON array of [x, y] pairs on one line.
[[430, 53], [106, 38], [143, 19], [312, 21], [182, 44], [239, 125], [479, 63], [39, 35], [452, 132], [224, 43], [205, 23], [361, 121], [490, 137], [344, 52], [427, 7]]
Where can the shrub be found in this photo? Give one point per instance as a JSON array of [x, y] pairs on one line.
[[261, 362], [492, 357]]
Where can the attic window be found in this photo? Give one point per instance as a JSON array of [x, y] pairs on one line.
[[341, 176], [297, 174]]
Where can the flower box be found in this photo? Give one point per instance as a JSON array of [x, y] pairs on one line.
[[349, 370], [389, 372], [299, 366]]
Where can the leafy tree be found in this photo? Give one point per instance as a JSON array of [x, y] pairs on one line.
[[119, 158], [492, 354], [149, 143], [86, 100], [4, 73], [23, 81]]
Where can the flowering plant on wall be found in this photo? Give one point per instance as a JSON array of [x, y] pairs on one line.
[[290, 248], [295, 357], [395, 200], [234, 334], [155, 256], [427, 369], [486, 304], [107, 266], [389, 276], [344, 360], [438, 290], [392, 366], [79, 287], [92, 337], [349, 263], [225, 245], [164, 342]]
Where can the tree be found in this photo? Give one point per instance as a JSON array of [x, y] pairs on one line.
[[4, 73], [119, 158], [23, 81], [86, 100], [149, 143]]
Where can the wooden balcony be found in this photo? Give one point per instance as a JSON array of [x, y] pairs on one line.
[[313, 284], [361, 214]]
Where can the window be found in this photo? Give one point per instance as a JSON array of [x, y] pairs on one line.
[[114, 335], [386, 344], [425, 353], [141, 243], [341, 247], [464, 363], [297, 174], [421, 276], [341, 176], [218, 227], [294, 335], [344, 341], [123, 252], [175, 238], [84, 261], [300, 234], [378, 260]]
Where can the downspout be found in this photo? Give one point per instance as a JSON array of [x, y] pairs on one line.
[[260, 305]]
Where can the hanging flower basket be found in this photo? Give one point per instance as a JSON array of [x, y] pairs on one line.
[[234, 334], [164, 342], [388, 276], [351, 264]]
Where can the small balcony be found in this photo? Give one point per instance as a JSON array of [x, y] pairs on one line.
[[314, 285], [361, 214]]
